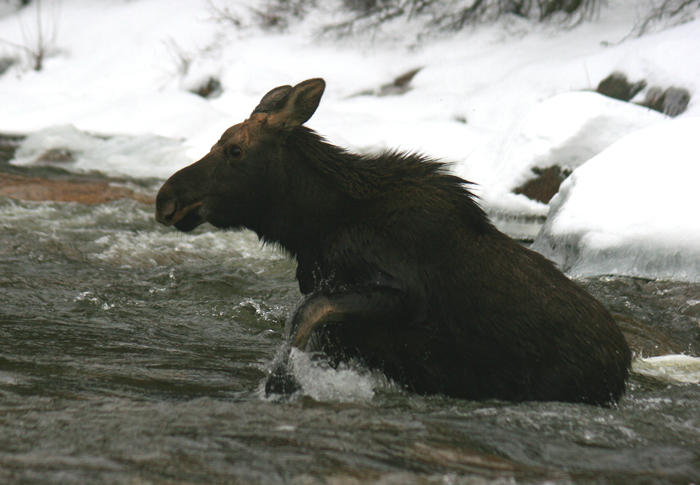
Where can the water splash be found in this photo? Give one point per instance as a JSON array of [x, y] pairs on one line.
[[670, 368]]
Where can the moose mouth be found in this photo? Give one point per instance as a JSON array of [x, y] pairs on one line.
[[184, 219]]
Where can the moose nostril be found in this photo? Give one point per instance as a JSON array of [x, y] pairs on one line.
[[165, 211]]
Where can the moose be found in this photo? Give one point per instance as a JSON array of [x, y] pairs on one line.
[[399, 267]]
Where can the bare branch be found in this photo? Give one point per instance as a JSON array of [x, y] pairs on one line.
[[680, 9], [37, 45]]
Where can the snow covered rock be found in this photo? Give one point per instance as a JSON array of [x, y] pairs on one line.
[[564, 131], [72, 149], [633, 209]]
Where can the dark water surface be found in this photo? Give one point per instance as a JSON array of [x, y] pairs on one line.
[[132, 354]]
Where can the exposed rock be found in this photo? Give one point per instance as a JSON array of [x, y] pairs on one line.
[[89, 191], [400, 85], [211, 88], [671, 102], [8, 146], [543, 187], [617, 86], [55, 184], [56, 155], [6, 63]]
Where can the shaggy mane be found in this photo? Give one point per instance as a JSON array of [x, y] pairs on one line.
[[366, 176]]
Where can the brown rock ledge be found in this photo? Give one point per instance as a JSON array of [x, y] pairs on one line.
[[84, 191]]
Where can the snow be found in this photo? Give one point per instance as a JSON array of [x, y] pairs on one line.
[[633, 209], [498, 100], [137, 156], [566, 131]]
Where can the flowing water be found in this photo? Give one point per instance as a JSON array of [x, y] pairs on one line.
[[133, 354]]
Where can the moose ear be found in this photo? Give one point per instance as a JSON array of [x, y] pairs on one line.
[[269, 101], [295, 106]]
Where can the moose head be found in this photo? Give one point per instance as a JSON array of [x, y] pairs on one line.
[[230, 187]]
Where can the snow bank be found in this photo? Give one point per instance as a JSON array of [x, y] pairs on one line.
[[109, 69], [135, 156], [564, 131], [633, 209]]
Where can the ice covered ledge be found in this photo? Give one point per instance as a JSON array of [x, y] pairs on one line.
[[632, 209]]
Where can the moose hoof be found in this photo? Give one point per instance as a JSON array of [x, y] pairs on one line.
[[281, 382]]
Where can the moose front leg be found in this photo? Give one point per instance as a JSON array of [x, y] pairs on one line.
[[362, 310], [315, 312], [365, 309]]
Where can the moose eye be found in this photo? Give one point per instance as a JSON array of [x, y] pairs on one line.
[[234, 151]]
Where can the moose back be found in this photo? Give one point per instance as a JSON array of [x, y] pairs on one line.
[[400, 268]]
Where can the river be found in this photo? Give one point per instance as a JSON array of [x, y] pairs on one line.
[[134, 354]]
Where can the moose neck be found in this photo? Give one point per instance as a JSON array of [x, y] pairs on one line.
[[305, 202], [318, 189]]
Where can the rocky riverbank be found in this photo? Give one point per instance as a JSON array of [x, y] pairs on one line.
[[51, 182]]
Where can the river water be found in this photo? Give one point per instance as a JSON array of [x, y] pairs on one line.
[[133, 354]]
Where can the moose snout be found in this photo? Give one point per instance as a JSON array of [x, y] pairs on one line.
[[166, 206], [165, 211], [171, 209]]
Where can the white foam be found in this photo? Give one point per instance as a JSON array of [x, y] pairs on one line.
[[324, 383], [97, 232], [671, 368], [167, 247]]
